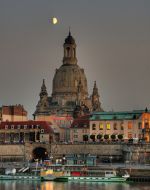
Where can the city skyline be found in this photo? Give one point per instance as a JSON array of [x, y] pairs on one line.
[[113, 40]]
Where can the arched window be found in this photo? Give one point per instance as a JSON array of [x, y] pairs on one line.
[[74, 52], [68, 51]]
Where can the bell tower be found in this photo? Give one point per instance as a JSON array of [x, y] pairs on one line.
[[69, 50], [95, 99]]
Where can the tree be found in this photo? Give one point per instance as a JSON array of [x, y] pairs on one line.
[[92, 137], [106, 137], [120, 136], [99, 136], [113, 136], [85, 137]]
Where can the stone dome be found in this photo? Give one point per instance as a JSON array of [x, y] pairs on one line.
[[67, 79], [69, 82]]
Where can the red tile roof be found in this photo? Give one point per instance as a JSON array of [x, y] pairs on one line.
[[14, 110], [42, 124], [81, 122]]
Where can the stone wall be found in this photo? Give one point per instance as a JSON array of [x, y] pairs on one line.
[[97, 149], [25, 151], [12, 150]]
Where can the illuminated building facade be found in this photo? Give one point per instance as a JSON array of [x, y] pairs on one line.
[[13, 113]]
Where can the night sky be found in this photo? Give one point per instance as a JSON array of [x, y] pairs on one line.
[[113, 46]]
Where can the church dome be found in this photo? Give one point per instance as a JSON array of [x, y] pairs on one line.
[[69, 82], [67, 79]]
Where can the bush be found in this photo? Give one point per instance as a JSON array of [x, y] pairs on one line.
[[120, 136], [99, 136], [113, 137], [106, 137], [85, 137], [92, 137]]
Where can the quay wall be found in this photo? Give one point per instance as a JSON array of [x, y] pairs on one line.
[[96, 149], [25, 151]]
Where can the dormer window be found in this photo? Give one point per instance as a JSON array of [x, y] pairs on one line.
[[42, 130]]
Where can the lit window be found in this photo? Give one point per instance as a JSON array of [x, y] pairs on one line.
[[129, 125], [101, 127], [93, 126], [108, 126], [130, 135]]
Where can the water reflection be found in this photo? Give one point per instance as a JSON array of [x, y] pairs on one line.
[[21, 185]]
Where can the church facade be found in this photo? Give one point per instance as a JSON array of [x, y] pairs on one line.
[[70, 91]]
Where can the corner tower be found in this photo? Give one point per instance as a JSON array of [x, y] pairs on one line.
[[96, 105]]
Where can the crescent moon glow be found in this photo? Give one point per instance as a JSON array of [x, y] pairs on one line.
[[54, 20]]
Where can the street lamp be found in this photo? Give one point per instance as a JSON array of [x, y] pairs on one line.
[[110, 158]]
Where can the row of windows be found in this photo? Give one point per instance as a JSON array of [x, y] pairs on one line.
[[83, 130], [131, 136], [42, 131], [22, 127], [115, 127], [108, 126]]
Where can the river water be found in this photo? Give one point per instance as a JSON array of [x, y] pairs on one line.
[[21, 185]]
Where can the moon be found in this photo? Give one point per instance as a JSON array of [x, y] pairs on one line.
[[54, 20]]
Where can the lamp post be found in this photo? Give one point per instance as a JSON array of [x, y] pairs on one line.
[[110, 158]]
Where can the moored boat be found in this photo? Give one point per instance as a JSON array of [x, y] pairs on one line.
[[93, 176], [21, 177]]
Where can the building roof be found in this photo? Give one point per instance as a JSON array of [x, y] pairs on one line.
[[14, 110], [81, 122], [123, 115], [42, 125], [69, 39]]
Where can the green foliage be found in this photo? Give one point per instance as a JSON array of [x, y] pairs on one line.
[[120, 136], [99, 136], [92, 137], [113, 137], [106, 136]]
